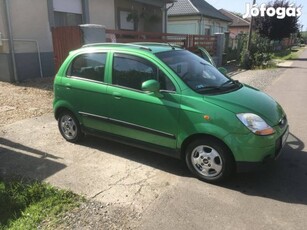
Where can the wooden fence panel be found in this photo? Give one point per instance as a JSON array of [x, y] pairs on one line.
[[64, 40]]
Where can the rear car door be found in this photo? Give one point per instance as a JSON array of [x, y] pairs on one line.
[[137, 114], [85, 89]]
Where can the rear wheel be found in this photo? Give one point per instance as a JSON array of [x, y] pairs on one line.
[[69, 127], [209, 160]]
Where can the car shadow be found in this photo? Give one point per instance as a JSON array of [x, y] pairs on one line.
[[23, 161], [284, 180], [152, 159]]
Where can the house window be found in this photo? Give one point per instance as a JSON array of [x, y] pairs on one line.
[[208, 30], [67, 19], [67, 13], [124, 24]]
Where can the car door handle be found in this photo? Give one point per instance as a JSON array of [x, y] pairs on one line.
[[117, 95], [67, 86]]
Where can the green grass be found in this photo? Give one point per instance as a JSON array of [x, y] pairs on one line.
[[25, 204], [286, 54]]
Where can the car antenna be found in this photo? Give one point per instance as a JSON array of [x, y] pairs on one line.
[[173, 47]]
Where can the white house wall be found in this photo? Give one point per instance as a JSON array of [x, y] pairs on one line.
[[102, 14], [195, 25], [30, 27]]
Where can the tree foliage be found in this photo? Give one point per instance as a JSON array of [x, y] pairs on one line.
[[259, 55], [275, 28]]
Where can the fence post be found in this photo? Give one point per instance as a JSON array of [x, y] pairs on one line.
[[220, 43], [226, 48]]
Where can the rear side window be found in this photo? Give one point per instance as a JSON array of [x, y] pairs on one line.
[[89, 66]]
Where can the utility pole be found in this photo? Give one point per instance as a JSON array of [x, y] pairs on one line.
[[250, 30]]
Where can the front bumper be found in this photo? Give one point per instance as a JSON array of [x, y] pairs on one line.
[[252, 151]]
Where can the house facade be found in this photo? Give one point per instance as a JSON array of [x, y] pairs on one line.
[[196, 17], [26, 49], [238, 25]]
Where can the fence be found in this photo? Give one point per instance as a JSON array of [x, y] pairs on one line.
[[183, 40], [64, 40], [69, 38]]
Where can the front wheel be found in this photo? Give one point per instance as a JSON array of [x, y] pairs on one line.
[[209, 160], [69, 127]]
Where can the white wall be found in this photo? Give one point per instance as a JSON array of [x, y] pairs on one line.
[[102, 13], [30, 21]]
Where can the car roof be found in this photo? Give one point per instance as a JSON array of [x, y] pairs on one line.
[[149, 46]]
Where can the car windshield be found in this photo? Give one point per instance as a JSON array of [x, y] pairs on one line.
[[198, 74]]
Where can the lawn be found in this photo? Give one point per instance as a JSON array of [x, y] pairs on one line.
[[26, 204], [286, 54]]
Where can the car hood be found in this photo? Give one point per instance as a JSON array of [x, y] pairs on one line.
[[249, 100]]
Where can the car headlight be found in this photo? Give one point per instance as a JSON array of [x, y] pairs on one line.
[[255, 124]]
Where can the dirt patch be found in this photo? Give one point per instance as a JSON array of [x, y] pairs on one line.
[[25, 100]]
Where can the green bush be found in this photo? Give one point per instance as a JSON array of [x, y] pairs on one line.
[[259, 55]]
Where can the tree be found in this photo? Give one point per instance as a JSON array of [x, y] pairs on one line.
[[274, 27]]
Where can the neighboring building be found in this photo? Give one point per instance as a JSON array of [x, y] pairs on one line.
[[196, 17], [238, 24], [26, 25]]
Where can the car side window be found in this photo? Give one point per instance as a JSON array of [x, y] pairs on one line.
[[165, 83], [89, 66], [131, 71]]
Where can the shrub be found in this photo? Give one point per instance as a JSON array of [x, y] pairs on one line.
[[259, 55]]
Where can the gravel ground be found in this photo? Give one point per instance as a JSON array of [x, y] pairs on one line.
[[25, 100], [259, 79], [33, 99]]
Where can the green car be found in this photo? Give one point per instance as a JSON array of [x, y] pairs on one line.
[[168, 100]]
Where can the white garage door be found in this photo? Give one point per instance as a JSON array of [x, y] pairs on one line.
[[182, 27]]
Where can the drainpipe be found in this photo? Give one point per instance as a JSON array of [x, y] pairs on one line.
[[200, 25], [165, 9], [10, 38]]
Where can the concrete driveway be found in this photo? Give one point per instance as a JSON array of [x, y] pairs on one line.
[[157, 192]]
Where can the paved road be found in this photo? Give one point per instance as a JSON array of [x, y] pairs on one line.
[[274, 199], [156, 192]]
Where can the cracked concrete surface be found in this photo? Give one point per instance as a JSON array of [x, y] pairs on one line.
[[108, 172]]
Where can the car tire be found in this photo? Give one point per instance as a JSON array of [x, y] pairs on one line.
[[209, 160], [69, 127]]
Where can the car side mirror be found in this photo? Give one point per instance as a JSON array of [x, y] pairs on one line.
[[152, 86], [223, 70]]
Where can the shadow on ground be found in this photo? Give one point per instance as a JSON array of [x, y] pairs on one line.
[[285, 180], [155, 160], [17, 159]]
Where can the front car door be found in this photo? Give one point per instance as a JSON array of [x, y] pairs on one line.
[[137, 114]]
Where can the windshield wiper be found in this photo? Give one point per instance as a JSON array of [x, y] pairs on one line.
[[229, 81], [214, 87]]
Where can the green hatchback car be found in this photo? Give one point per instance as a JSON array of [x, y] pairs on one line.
[[168, 100]]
